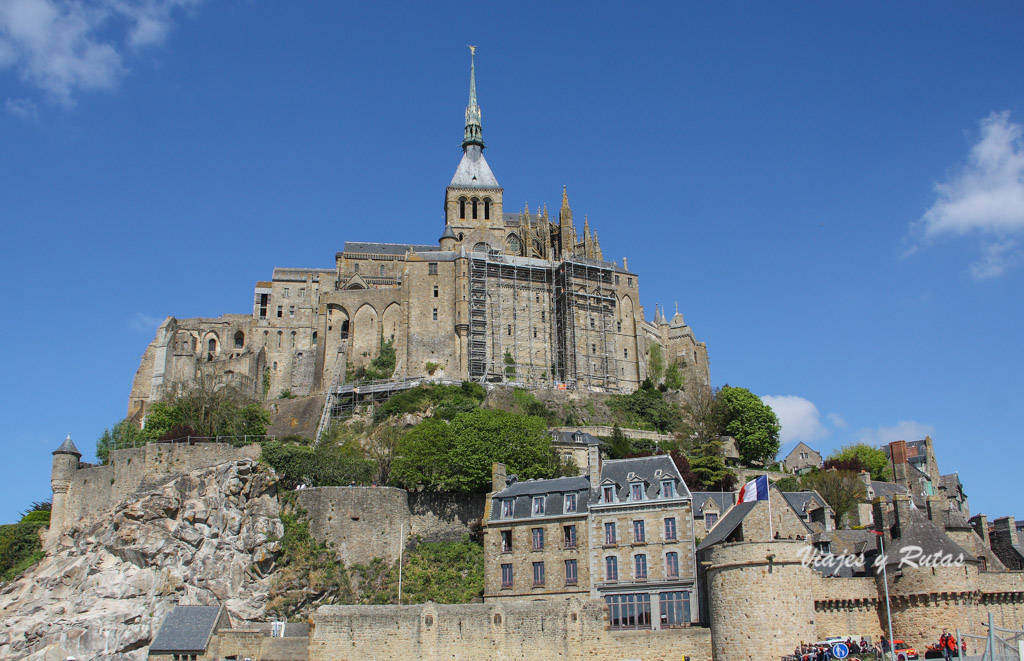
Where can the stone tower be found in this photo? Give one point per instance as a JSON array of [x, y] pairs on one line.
[[65, 463], [473, 199]]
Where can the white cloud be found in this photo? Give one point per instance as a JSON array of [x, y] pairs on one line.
[[837, 421], [22, 108], [69, 46], [984, 199], [904, 430], [799, 418], [145, 323]]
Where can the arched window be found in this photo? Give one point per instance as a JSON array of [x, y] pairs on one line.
[[487, 208], [462, 208], [293, 340], [344, 330], [481, 247], [314, 338], [475, 202], [275, 365], [382, 269], [239, 340], [279, 336], [212, 345]]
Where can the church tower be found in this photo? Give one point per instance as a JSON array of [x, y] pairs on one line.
[[472, 202]]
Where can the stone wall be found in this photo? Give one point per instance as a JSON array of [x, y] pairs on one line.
[[96, 490], [572, 629], [846, 607], [606, 430], [362, 523]]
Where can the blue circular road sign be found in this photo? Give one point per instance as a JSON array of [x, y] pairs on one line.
[[840, 651]]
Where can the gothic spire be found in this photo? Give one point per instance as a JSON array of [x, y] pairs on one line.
[[474, 134], [565, 214]]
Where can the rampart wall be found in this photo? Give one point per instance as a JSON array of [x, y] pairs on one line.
[[362, 523], [502, 631], [606, 430], [94, 490]]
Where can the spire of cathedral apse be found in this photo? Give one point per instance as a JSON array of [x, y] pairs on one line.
[[474, 134]]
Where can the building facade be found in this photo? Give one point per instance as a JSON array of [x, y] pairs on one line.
[[622, 533], [520, 296]]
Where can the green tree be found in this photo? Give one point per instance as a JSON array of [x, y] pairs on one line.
[[619, 446], [673, 377], [206, 408], [646, 408], [841, 489], [655, 362], [123, 434], [872, 459], [703, 417], [751, 422], [457, 456], [708, 464]]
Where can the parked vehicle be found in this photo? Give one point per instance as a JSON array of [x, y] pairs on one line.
[[904, 652]]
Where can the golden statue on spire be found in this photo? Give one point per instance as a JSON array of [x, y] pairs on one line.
[[472, 49]]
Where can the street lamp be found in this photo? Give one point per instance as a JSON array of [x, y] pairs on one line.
[[885, 582]]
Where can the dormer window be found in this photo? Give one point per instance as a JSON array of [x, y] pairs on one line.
[[538, 505], [578, 437], [608, 495], [569, 504], [506, 508], [636, 491], [668, 489]]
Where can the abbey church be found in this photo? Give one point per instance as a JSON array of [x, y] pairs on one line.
[[500, 298]]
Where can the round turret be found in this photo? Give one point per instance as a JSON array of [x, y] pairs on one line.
[[448, 239], [65, 463]]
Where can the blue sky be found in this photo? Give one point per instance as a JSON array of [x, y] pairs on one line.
[[833, 193]]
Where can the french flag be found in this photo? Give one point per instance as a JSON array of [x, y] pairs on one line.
[[756, 489]]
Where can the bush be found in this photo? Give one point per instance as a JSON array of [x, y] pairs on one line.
[[646, 408], [324, 466], [448, 401], [530, 405]]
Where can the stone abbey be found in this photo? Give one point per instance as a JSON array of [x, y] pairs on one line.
[[502, 297]]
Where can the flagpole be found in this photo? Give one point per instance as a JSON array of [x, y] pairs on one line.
[[771, 534]]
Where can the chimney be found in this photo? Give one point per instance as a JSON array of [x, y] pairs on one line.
[[499, 477], [594, 465], [898, 456], [879, 506], [901, 504], [1006, 529], [828, 518], [869, 491], [936, 512], [980, 524]]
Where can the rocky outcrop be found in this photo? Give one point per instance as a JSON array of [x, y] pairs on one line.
[[206, 537]]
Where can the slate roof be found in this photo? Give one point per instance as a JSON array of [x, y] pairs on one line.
[[386, 248], [568, 437], [724, 500], [652, 470], [67, 447], [889, 489], [921, 532], [727, 524], [186, 629], [448, 233], [553, 490], [800, 500], [473, 171]]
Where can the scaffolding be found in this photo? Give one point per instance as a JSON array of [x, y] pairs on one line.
[[585, 308]]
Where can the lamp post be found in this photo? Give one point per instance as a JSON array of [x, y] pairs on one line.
[[885, 583]]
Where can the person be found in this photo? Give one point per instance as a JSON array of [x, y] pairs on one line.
[[950, 648], [944, 644], [885, 645]]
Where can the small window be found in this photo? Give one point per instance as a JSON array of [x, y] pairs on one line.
[[629, 282], [293, 340], [291, 311], [672, 564], [542, 315], [618, 326], [570, 572], [355, 268], [616, 278], [279, 336], [592, 326], [435, 314], [608, 494], [569, 536], [593, 348], [668, 489], [510, 330], [487, 208], [435, 291], [640, 565], [280, 311], [286, 292], [239, 340], [710, 519], [381, 269], [462, 208], [611, 568], [609, 533], [569, 503], [538, 574], [535, 333], [639, 536], [475, 203], [506, 508], [432, 268], [506, 576], [538, 539], [625, 354], [538, 505], [506, 541], [670, 529], [538, 297], [302, 292], [314, 338], [636, 491]]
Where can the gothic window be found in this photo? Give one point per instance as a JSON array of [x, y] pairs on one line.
[[475, 203], [212, 345], [487, 208], [462, 208], [481, 247], [239, 340], [514, 245]]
